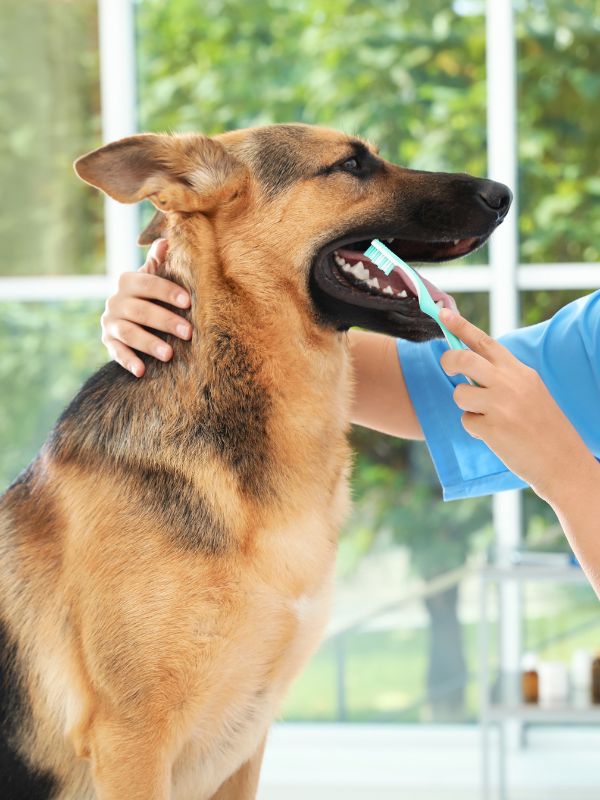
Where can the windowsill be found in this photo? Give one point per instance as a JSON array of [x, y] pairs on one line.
[[377, 762]]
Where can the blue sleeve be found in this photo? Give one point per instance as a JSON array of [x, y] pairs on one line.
[[564, 350]]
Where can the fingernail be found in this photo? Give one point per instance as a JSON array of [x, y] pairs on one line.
[[182, 330], [163, 351], [182, 300]]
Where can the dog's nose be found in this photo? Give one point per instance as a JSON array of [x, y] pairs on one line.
[[496, 196]]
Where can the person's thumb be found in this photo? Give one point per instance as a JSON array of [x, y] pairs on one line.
[[155, 257]]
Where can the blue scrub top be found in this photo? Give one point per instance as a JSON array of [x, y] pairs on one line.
[[564, 350]]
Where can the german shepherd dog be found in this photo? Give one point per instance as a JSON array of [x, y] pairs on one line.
[[166, 561]]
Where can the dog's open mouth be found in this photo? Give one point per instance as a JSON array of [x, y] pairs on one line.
[[353, 268], [352, 289]]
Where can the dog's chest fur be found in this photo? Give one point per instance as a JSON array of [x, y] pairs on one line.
[[280, 634], [288, 594]]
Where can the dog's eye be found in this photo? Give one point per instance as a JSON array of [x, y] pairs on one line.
[[350, 165]]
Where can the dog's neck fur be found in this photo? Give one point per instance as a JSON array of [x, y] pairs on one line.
[[269, 312], [257, 361]]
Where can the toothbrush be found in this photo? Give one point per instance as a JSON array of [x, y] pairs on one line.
[[386, 260]]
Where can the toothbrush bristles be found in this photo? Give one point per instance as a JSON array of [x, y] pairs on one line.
[[379, 259]]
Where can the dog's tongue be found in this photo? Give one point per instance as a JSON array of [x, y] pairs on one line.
[[399, 275], [437, 294]]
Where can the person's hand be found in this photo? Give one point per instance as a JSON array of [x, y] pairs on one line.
[[133, 306], [512, 411]]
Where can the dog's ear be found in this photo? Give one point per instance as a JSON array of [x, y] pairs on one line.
[[188, 172]]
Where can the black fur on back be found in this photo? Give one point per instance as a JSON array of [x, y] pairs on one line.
[[18, 780], [117, 422]]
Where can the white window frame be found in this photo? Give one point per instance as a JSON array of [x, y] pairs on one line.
[[504, 278]]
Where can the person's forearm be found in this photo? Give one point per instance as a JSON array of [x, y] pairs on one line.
[[576, 502], [381, 399]]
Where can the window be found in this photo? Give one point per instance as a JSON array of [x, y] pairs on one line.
[[413, 78]]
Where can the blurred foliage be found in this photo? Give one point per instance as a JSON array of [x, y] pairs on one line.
[[49, 115], [558, 90], [46, 352], [409, 76], [399, 497]]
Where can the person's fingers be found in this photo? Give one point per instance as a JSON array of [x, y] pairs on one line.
[[474, 424], [124, 356], [471, 398], [155, 256], [151, 315], [466, 362], [476, 339], [158, 250], [152, 287], [134, 336]]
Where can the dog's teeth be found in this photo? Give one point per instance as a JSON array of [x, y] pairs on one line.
[[361, 272], [339, 261], [388, 290], [389, 240], [374, 283], [456, 241], [403, 293], [346, 267]]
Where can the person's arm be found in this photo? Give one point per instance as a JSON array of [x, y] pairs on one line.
[[576, 503], [513, 412], [381, 400]]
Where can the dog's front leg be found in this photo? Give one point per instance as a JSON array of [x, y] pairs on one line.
[[243, 784], [129, 763]]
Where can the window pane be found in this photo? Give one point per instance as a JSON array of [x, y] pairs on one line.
[[49, 115], [539, 305], [558, 85], [412, 660], [47, 350]]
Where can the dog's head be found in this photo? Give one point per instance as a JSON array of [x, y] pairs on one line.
[[309, 200]]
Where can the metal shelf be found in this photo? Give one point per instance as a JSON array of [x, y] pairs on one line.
[[501, 699], [539, 714]]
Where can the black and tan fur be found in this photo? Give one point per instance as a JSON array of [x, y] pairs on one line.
[[166, 561]]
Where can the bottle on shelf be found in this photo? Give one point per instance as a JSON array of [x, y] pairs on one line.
[[553, 683], [530, 678], [596, 680]]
